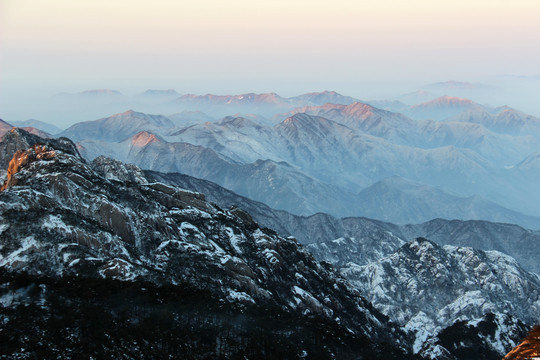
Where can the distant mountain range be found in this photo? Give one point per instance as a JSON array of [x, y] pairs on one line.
[[343, 149], [37, 124], [98, 103], [474, 157], [26, 125], [441, 108]]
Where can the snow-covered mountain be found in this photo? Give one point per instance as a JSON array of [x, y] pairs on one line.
[[87, 224], [460, 163], [426, 287], [465, 281], [109, 220], [504, 120], [441, 108], [348, 148], [364, 117], [314, 145], [427, 134], [321, 98], [324, 148], [472, 331]]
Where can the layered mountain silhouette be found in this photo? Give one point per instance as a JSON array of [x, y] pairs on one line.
[[344, 149]]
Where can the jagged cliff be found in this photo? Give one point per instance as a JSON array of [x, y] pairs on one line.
[[528, 349]]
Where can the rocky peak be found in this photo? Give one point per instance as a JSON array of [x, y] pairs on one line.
[[19, 139], [116, 170], [528, 349], [23, 158], [447, 101]]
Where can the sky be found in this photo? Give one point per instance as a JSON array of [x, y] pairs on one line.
[[366, 49]]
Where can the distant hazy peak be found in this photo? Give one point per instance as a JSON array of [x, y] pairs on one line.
[[154, 92], [355, 107], [229, 99], [325, 92], [320, 98], [457, 85], [447, 101], [454, 84], [99, 92]]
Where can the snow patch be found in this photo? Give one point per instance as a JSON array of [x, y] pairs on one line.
[[28, 244], [271, 256], [239, 296], [235, 239]]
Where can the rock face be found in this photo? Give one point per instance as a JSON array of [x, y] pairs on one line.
[[62, 218], [19, 139], [22, 159], [529, 348]]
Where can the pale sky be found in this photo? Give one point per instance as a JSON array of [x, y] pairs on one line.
[[239, 46]]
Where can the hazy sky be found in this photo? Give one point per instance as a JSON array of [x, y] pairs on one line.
[[362, 48]]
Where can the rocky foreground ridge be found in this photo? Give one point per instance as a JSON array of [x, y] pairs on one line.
[[96, 244]]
